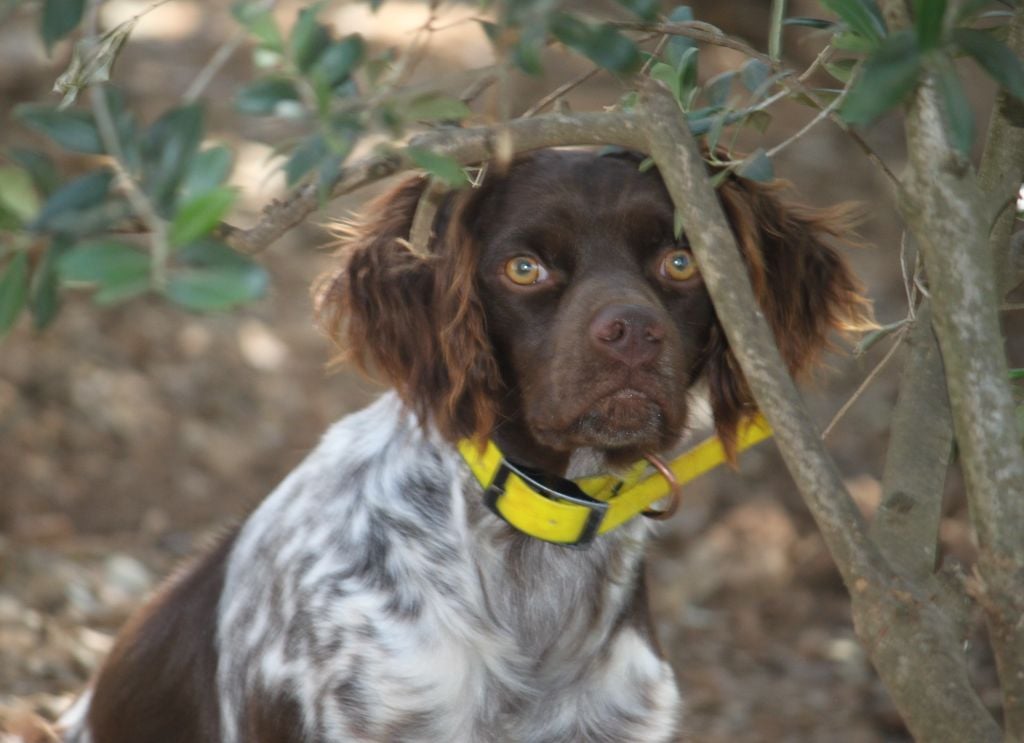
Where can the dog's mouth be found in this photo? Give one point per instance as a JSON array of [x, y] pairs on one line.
[[629, 418]]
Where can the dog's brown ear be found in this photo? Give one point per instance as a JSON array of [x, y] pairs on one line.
[[803, 285], [414, 319]]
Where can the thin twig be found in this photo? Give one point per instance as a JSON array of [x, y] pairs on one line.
[[820, 116], [107, 130], [900, 335], [709, 34], [655, 53], [559, 92], [210, 70], [471, 145], [423, 220], [823, 56]]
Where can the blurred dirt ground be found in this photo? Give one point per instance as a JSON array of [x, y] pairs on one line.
[[129, 437]]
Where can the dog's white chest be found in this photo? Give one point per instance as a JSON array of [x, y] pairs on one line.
[[368, 599]]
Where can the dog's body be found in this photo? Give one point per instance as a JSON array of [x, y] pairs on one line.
[[373, 596]]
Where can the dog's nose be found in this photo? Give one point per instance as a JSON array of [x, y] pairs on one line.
[[629, 333]]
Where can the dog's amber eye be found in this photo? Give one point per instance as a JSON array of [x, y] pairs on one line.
[[678, 265], [524, 270]]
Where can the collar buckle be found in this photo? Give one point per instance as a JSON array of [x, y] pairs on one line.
[[553, 488]]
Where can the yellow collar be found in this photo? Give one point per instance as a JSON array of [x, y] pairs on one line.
[[574, 512]]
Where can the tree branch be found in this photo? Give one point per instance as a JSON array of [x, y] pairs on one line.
[[685, 175], [465, 145], [906, 526], [1002, 165], [909, 638], [945, 208]]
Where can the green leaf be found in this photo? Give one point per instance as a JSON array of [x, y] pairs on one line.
[[307, 155], [13, 291], [167, 150], [862, 16], [39, 166], [754, 74], [259, 21], [59, 18], [212, 253], [309, 38], [818, 23], [668, 75], [888, 76], [198, 216], [17, 194], [265, 97], [216, 287], [678, 45], [118, 270], [209, 169], [602, 44], [687, 67], [851, 42], [446, 169], [955, 106], [928, 18], [646, 9], [1016, 374], [336, 63], [74, 130], [73, 198], [757, 166], [842, 70], [759, 120], [103, 262], [435, 107], [44, 298], [719, 88], [526, 54], [995, 57]]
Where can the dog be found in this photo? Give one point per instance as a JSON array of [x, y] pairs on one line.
[[557, 326]]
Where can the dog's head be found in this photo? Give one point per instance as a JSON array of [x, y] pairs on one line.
[[556, 304]]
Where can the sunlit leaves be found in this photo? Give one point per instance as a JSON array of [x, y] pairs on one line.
[[434, 107], [200, 214], [207, 170], [444, 168], [18, 199]]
